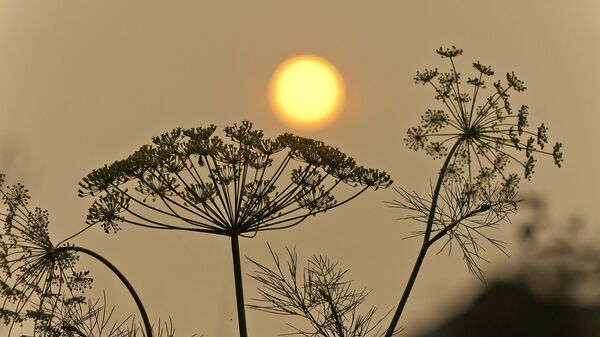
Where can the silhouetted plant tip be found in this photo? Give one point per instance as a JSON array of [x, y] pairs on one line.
[[320, 293], [482, 144], [193, 180]]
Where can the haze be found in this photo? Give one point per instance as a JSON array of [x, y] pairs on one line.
[[86, 83]]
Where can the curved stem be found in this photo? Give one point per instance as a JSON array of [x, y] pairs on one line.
[[426, 244], [239, 289], [121, 277]]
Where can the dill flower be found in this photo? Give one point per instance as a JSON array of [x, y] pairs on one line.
[[193, 180], [488, 135], [33, 274], [482, 143]]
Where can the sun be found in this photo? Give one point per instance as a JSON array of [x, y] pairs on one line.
[[306, 92]]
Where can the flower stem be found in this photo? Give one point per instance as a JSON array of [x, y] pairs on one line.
[[426, 243], [239, 289], [138, 301]]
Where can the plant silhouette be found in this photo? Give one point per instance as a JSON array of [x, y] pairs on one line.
[[476, 187], [193, 180], [320, 293], [40, 281]]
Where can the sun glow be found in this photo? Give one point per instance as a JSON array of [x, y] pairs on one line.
[[306, 91]]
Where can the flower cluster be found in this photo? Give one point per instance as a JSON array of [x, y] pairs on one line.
[[191, 179], [487, 136], [33, 274], [482, 143]]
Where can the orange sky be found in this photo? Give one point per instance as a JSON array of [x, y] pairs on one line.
[[86, 83]]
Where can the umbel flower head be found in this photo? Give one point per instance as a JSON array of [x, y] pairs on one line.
[[191, 179], [33, 276], [485, 138], [484, 144]]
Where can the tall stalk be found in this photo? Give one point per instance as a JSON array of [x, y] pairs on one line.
[[113, 268], [426, 242], [488, 136], [194, 180], [239, 288]]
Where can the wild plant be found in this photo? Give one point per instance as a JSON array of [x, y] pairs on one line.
[[193, 180], [320, 293], [482, 144], [40, 281]]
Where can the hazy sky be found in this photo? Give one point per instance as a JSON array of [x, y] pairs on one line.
[[83, 83]]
